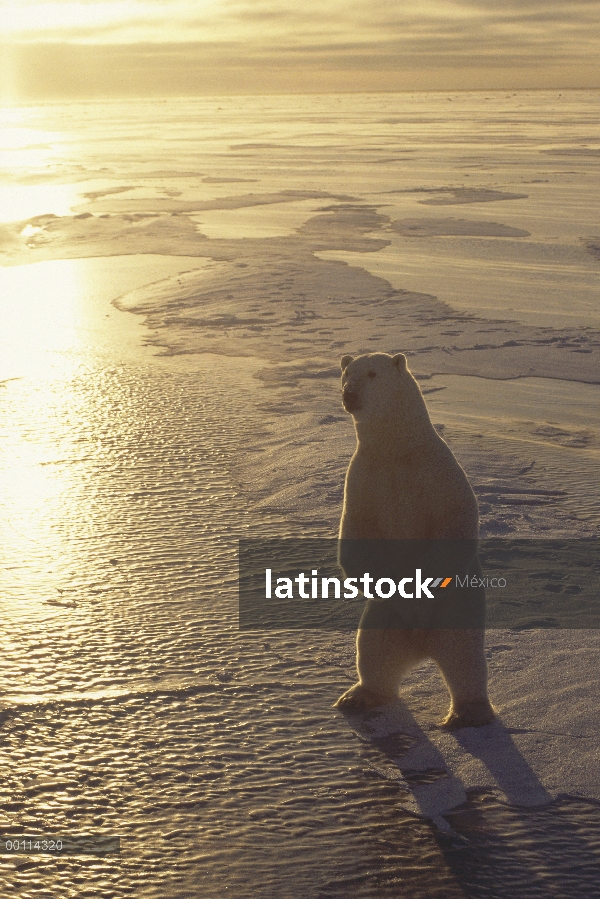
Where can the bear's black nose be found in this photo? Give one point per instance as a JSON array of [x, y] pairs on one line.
[[350, 400]]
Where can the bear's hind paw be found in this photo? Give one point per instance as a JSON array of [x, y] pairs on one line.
[[359, 699], [473, 714]]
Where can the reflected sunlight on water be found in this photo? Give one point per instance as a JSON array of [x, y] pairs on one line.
[[23, 147], [23, 151], [37, 487], [41, 338], [74, 397], [41, 317], [22, 201], [51, 312]]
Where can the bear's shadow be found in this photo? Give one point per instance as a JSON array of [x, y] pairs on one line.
[[395, 746]]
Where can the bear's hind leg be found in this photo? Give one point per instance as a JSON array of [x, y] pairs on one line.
[[383, 658], [460, 655]]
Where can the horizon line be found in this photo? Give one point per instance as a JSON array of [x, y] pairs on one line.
[[7, 103]]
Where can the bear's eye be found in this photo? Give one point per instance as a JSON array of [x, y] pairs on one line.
[[372, 374]]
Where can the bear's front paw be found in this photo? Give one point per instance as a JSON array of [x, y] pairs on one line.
[[471, 714], [359, 699]]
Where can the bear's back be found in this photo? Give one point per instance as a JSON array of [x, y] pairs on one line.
[[403, 481], [424, 495]]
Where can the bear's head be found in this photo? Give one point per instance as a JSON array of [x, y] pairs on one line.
[[371, 382]]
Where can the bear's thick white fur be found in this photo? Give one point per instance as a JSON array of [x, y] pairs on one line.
[[403, 482]]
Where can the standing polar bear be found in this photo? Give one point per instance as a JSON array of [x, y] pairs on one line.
[[403, 483]]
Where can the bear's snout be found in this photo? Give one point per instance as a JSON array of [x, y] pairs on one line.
[[350, 400]]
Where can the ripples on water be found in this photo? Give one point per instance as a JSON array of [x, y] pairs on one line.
[[127, 528]]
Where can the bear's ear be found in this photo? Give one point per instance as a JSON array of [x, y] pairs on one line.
[[346, 360], [399, 361]]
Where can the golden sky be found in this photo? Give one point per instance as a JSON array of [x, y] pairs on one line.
[[93, 48]]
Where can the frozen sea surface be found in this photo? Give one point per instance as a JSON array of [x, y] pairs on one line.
[[254, 235]]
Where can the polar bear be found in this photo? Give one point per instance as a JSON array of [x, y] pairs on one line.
[[403, 482]]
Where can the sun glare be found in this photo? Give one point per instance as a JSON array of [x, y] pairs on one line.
[[24, 148], [19, 202], [42, 325], [40, 317]]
